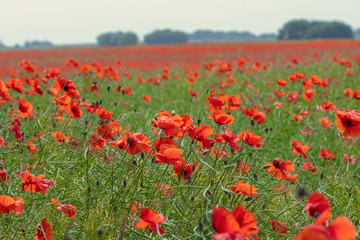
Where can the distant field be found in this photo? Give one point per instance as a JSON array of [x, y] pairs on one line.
[[161, 142]]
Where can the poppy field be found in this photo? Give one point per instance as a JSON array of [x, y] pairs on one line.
[[199, 141]]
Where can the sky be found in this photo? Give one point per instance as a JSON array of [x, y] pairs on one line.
[[80, 21]]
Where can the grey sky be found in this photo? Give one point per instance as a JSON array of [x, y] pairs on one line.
[[79, 21]]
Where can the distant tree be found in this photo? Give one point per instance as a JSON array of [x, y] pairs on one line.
[[357, 33], [293, 30], [302, 29], [117, 38], [38, 44], [328, 30], [219, 36], [267, 37], [2, 46], [165, 36]]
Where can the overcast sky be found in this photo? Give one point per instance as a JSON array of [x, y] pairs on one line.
[[80, 21]]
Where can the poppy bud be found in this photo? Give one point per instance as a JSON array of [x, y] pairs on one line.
[[238, 162], [192, 141], [232, 151], [225, 162], [141, 184], [207, 91], [108, 88], [256, 177], [212, 144], [134, 110], [321, 175], [129, 140], [179, 177], [116, 104], [86, 122], [193, 167], [97, 183], [54, 124], [201, 225], [84, 133], [252, 122], [89, 189], [142, 155], [301, 192], [124, 183], [134, 162], [212, 182], [67, 237], [100, 102], [188, 179], [100, 231], [173, 113]]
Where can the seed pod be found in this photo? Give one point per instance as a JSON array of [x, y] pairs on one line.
[[201, 225]]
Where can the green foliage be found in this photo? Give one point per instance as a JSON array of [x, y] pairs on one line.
[[165, 36], [38, 44], [117, 38], [303, 29]]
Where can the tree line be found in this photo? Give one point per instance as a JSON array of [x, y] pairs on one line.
[[292, 30]]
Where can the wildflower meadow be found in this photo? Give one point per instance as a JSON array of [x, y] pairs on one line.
[[185, 141]]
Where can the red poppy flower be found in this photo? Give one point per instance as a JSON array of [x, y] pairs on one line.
[[325, 122], [65, 208], [43, 231], [317, 204], [185, 170], [59, 138], [192, 93], [229, 137], [31, 146], [251, 138], [11, 204], [146, 98], [281, 82], [133, 143], [3, 175], [150, 219], [221, 117], [243, 188], [279, 227], [348, 159], [239, 221], [73, 109], [253, 113], [165, 189], [308, 95], [25, 108], [298, 148], [308, 166], [326, 155], [280, 169], [341, 228], [327, 106], [34, 183], [348, 122]]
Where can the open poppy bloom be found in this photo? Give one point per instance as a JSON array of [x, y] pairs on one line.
[[308, 166], [281, 82], [316, 205], [11, 204], [243, 188], [133, 143], [59, 138], [185, 170], [3, 175], [341, 228], [279, 227], [238, 223], [65, 208], [34, 183], [31, 146], [327, 106], [146, 98], [43, 231], [280, 169], [348, 122], [346, 158], [251, 138], [298, 148], [229, 137], [25, 109], [325, 122], [222, 118], [150, 219], [254, 114], [73, 109], [165, 189], [308, 95], [326, 155]]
